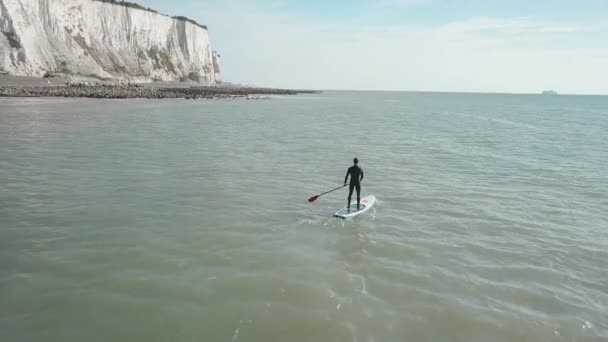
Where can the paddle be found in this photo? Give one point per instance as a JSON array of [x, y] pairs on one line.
[[314, 198]]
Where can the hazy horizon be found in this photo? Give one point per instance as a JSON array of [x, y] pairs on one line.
[[452, 92], [408, 45]]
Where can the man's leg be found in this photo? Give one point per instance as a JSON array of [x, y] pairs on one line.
[[350, 195], [358, 196]]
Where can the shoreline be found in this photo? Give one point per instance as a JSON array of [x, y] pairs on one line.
[[14, 86]]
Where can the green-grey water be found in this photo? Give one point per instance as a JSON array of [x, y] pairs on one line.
[[188, 220]]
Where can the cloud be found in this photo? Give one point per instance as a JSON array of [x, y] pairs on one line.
[[280, 48], [513, 26], [388, 3]]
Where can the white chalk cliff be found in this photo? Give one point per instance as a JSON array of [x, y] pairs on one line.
[[102, 40]]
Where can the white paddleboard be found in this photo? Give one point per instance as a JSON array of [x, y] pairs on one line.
[[367, 203]]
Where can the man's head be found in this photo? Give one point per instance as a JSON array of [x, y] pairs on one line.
[[356, 161]]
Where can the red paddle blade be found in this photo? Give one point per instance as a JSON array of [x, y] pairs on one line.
[[313, 198]]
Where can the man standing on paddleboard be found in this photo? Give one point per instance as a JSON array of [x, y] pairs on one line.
[[356, 176]]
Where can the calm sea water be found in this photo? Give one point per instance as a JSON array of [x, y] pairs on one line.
[[188, 220]]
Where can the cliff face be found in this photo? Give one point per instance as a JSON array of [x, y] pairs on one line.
[[102, 40], [216, 66]]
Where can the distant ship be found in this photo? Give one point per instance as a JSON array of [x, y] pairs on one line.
[[549, 92]]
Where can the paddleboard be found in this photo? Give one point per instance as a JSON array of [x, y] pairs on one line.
[[367, 203]]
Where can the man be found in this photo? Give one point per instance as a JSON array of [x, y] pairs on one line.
[[356, 176]]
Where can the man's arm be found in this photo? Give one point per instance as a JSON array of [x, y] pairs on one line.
[[361, 175], [346, 177]]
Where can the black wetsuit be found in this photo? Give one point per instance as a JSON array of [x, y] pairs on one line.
[[356, 176]]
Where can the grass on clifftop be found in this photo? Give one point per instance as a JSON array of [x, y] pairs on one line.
[[138, 6]]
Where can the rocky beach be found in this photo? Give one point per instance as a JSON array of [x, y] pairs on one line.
[[132, 91]]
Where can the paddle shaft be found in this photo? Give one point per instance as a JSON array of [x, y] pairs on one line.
[[326, 192], [314, 198]]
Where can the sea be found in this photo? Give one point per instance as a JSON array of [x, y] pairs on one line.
[[188, 220]]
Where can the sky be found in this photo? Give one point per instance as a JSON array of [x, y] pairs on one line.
[[513, 46]]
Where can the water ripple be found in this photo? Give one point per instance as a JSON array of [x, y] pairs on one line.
[[181, 221]]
